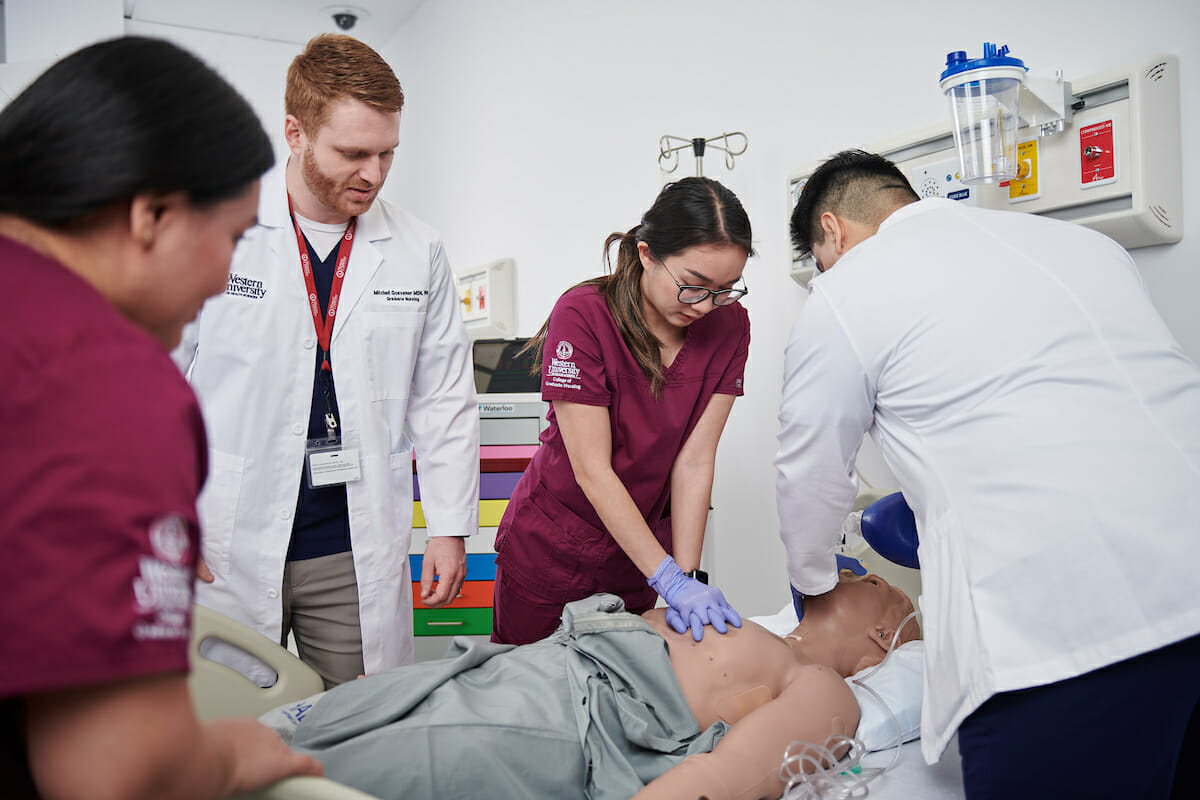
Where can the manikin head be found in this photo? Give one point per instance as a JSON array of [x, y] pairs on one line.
[[852, 626], [843, 202]]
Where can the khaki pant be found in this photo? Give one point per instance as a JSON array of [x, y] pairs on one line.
[[320, 609]]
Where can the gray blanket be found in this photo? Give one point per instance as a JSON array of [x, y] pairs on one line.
[[593, 711]]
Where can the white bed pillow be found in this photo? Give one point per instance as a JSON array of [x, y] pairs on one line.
[[898, 682]]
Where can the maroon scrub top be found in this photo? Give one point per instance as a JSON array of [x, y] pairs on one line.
[[102, 457], [551, 541]]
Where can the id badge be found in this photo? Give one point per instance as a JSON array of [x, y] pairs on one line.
[[331, 463]]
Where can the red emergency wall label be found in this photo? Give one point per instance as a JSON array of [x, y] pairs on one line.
[[1097, 155]]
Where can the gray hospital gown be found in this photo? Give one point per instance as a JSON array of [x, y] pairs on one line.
[[593, 711]]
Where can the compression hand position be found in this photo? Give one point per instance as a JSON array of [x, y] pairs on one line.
[[692, 603]]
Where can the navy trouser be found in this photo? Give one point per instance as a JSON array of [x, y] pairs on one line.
[[1128, 730]]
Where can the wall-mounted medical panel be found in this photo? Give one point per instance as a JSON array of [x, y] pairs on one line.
[[486, 295], [1115, 168]]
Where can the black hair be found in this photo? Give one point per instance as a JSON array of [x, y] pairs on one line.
[[687, 213], [855, 184], [120, 117]]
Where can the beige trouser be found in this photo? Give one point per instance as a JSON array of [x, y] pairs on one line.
[[320, 608]]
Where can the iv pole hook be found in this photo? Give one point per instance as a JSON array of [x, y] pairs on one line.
[[668, 153]]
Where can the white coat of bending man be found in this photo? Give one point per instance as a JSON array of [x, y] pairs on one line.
[[329, 563], [1044, 425]]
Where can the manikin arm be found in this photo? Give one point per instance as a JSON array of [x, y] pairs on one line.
[[745, 763]]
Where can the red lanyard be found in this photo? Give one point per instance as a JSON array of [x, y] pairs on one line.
[[324, 327]]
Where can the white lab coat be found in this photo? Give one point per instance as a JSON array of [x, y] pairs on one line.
[[402, 366], [1043, 425]]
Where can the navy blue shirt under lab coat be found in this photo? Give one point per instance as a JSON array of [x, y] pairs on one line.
[[322, 521]]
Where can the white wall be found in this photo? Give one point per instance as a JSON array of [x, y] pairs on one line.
[[531, 130], [255, 67], [50, 29], [41, 31]]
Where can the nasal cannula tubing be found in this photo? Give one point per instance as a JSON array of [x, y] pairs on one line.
[[829, 777]]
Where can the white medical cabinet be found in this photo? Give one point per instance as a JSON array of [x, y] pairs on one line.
[[511, 417]]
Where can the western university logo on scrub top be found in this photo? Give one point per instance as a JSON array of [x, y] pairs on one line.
[[241, 286], [162, 589], [562, 372]]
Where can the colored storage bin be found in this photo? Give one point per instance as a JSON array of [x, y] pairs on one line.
[[490, 512], [492, 485], [500, 457], [480, 566], [474, 594], [452, 622]]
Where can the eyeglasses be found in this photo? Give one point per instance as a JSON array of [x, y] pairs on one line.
[[691, 295]]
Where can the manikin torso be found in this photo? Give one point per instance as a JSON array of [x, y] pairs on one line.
[[726, 676]]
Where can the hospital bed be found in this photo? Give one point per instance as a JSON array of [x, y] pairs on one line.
[[221, 691]]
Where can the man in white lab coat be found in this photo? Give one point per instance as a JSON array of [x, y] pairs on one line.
[[337, 346], [1044, 426]]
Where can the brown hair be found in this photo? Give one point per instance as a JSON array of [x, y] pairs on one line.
[[334, 66], [687, 213]]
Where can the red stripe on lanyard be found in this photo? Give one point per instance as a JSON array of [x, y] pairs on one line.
[[324, 327]]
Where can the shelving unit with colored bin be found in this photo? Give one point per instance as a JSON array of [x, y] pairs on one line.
[[470, 614]]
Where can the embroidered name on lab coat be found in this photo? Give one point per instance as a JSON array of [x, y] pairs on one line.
[[400, 295]]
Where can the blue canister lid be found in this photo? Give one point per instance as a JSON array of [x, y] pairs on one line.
[[957, 61]]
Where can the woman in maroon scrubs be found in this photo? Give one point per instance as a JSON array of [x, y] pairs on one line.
[[640, 367]]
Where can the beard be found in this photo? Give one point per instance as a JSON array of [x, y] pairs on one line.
[[332, 194]]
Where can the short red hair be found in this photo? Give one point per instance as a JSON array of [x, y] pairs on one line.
[[334, 66]]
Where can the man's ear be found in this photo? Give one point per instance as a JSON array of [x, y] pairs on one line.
[[294, 133], [834, 230]]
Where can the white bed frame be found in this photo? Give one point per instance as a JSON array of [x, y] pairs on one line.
[[220, 691]]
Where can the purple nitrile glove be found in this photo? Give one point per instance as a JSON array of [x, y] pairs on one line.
[[691, 602]]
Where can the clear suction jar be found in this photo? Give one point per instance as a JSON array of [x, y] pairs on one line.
[[984, 97]]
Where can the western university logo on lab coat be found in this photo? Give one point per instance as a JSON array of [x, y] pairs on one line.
[[241, 286]]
